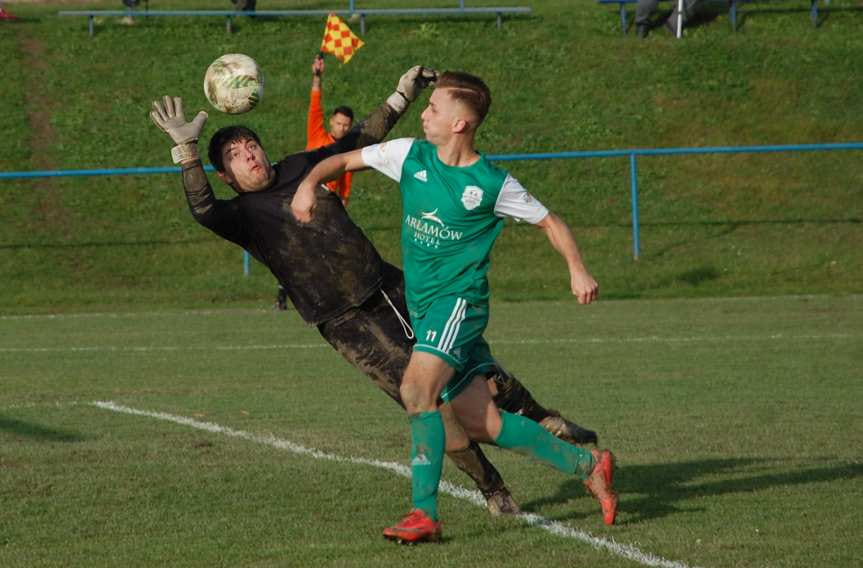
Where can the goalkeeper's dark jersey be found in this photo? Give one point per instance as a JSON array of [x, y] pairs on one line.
[[326, 266]]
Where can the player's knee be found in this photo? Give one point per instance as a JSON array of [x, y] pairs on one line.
[[409, 399], [416, 397]]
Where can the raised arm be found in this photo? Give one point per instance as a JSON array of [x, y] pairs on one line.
[[210, 212], [583, 286], [316, 133], [378, 124]]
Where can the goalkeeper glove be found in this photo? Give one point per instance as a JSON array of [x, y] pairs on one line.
[[410, 84], [168, 116]]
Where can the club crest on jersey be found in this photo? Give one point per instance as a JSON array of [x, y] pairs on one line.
[[471, 197]]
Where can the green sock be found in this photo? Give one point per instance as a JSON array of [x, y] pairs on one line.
[[427, 450], [526, 437]]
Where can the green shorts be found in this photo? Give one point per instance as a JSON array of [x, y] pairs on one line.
[[452, 330]]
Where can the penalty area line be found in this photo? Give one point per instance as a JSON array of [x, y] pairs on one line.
[[554, 527]]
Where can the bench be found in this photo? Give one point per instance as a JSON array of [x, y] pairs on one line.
[[229, 15], [732, 11]]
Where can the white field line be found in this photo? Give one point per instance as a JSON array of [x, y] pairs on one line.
[[624, 550], [55, 404], [538, 341]]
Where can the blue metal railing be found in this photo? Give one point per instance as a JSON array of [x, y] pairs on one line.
[[633, 166], [94, 172], [631, 153], [352, 10]]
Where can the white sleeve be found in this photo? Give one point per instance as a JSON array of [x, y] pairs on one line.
[[515, 201], [388, 157]]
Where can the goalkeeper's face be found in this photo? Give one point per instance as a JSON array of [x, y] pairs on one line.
[[247, 167]]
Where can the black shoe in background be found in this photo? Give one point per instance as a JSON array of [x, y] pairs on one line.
[[281, 300]]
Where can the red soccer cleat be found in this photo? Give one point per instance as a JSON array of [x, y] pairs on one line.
[[599, 484], [415, 527], [4, 15]]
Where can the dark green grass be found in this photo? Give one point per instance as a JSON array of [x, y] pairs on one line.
[[736, 424], [563, 79]]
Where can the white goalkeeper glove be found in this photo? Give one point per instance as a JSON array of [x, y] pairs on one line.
[[411, 83], [168, 116]]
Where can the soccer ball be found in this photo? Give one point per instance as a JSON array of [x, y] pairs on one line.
[[234, 83]]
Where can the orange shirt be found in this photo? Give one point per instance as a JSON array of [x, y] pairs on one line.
[[317, 136]]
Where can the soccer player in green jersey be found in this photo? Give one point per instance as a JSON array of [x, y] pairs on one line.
[[454, 202]]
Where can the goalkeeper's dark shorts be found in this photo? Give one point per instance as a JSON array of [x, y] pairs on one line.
[[376, 336]]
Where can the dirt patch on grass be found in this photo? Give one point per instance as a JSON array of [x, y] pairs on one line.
[[49, 209], [39, 106]]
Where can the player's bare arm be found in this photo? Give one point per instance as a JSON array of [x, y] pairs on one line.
[[409, 87], [583, 286], [303, 203]]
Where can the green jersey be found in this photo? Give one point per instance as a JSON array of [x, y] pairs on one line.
[[451, 217]]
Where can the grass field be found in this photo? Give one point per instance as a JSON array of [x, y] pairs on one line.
[[736, 423]]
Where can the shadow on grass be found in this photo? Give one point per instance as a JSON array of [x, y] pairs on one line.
[[31, 430], [698, 276], [666, 489]]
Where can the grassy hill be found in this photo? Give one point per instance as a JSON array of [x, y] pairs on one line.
[[562, 79]]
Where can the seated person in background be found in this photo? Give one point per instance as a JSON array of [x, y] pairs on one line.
[[646, 7], [244, 5]]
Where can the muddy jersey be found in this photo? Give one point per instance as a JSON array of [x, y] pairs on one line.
[[451, 217], [326, 266]]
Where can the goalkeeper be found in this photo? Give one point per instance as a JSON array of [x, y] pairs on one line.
[[332, 273]]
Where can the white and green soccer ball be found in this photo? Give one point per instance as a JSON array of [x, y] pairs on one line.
[[234, 83]]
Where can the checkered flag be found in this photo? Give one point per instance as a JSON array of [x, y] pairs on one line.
[[339, 39]]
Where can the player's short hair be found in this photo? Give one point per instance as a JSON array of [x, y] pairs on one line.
[[467, 88], [228, 135], [345, 110]]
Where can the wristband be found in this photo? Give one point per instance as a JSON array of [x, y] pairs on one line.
[[398, 102], [184, 153]]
